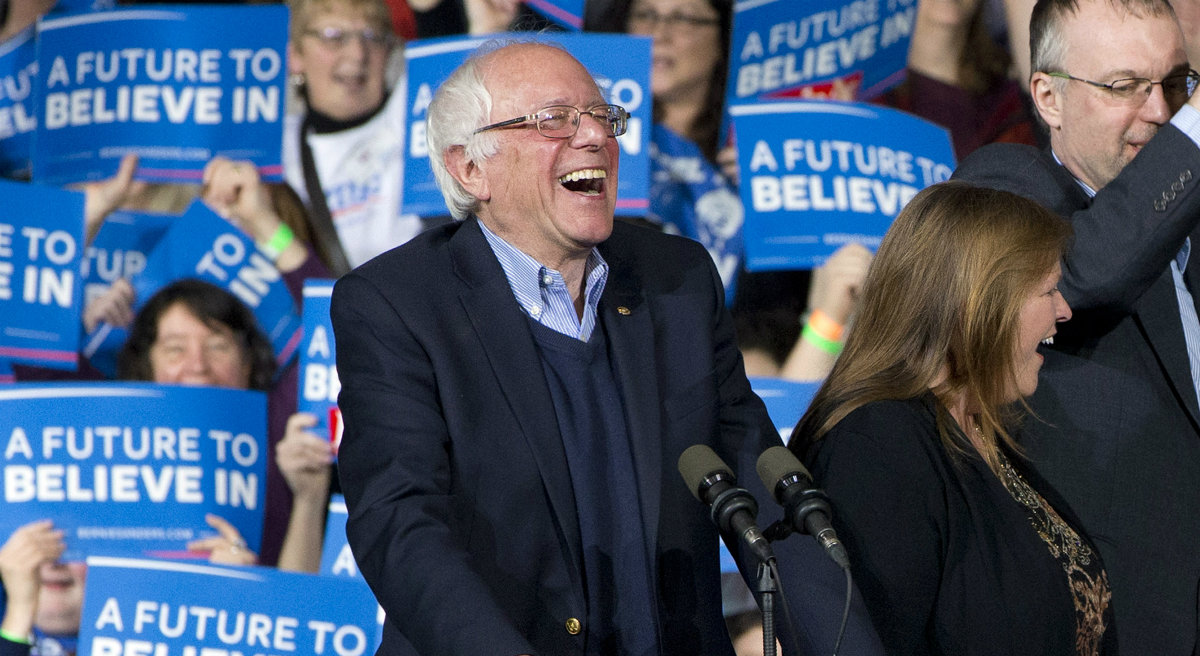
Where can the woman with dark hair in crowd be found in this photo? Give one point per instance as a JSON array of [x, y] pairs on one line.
[[345, 154], [957, 545], [298, 477], [192, 332]]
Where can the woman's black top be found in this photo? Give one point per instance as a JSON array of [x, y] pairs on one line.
[[949, 557]]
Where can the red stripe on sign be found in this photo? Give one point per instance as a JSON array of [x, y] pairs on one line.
[[40, 354], [558, 12]]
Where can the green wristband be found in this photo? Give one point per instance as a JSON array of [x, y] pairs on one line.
[[278, 242], [828, 345], [24, 640]]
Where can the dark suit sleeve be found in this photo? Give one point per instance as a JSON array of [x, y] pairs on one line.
[[395, 471], [1126, 237]]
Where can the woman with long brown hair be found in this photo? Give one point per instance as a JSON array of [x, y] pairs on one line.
[[956, 543]]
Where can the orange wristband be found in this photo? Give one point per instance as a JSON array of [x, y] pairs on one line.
[[822, 325]]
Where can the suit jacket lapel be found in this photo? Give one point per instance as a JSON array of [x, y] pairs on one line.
[[514, 359], [625, 315], [1164, 331]]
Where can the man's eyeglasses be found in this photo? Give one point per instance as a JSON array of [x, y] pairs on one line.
[[562, 121], [648, 20], [1135, 90], [337, 38]]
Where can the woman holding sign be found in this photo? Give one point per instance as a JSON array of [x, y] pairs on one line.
[[957, 545], [345, 155]]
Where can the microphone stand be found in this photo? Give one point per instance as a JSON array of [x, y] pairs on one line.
[[767, 587]]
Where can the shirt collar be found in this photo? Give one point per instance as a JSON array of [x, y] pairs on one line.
[[526, 276]]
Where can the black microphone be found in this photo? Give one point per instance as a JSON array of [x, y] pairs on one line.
[[734, 509], [805, 507]]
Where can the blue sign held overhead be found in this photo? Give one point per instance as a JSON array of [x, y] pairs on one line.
[[319, 382], [135, 607], [202, 245], [18, 117], [818, 174], [818, 49], [621, 65], [132, 468], [174, 85], [41, 247], [118, 251]]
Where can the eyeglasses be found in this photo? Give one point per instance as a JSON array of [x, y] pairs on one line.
[[647, 20], [562, 121], [1177, 87], [337, 38]]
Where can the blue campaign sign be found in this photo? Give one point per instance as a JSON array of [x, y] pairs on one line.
[[118, 251], [833, 49], [132, 468], [786, 401], [18, 119], [689, 197], [202, 245], [566, 13], [336, 557], [174, 85], [41, 247], [319, 382], [136, 607], [621, 65], [820, 174]]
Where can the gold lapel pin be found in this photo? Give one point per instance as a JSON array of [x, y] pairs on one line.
[[621, 309]]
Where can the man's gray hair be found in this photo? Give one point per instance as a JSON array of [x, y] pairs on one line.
[[1048, 48], [461, 106]]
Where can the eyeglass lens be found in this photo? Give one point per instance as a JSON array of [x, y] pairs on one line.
[[1176, 87], [562, 121], [652, 18], [337, 37]]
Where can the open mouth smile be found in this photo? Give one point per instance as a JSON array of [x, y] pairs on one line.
[[589, 182]]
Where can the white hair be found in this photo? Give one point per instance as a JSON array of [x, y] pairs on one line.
[[461, 106]]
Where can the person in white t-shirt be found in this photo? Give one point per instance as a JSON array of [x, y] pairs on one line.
[[352, 149]]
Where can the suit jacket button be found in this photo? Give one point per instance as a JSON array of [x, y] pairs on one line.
[[1185, 175], [573, 626], [1177, 185], [1160, 205]]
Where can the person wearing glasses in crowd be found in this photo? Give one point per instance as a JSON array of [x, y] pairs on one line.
[[693, 191], [345, 154], [1119, 429], [514, 413]]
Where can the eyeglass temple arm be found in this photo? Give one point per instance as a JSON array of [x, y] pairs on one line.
[[504, 124]]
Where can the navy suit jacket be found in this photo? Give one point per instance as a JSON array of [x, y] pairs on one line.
[[1119, 436], [462, 515]]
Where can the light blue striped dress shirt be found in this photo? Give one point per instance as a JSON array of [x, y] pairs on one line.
[[1187, 119], [542, 293]]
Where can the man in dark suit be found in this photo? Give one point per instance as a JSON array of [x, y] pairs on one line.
[[1118, 435], [518, 387]]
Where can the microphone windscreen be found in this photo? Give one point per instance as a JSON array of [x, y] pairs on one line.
[[697, 463], [777, 462]]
